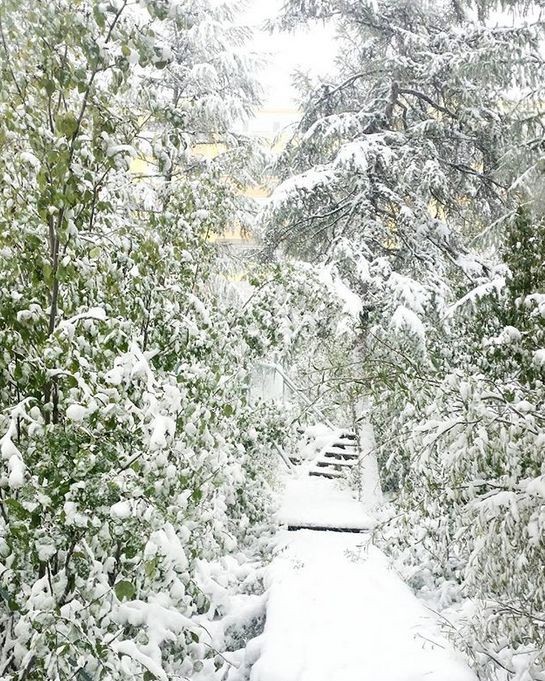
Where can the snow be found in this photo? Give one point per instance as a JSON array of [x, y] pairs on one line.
[[498, 501], [190, 429], [536, 486], [73, 516], [410, 293], [319, 502], [30, 159], [314, 439], [306, 182], [337, 612], [163, 426], [9, 452], [162, 625], [524, 406], [7, 448], [121, 510], [97, 314], [16, 472], [352, 302], [76, 412], [114, 376], [130, 649], [539, 357], [361, 154], [476, 294], [114, 149], [508, 336], [167, 543], [405, 319], [46, 549]]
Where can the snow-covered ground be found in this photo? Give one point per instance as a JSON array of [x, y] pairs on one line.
[[318, 502], [336, 611]]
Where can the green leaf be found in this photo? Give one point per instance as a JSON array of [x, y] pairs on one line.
[[67, 124], [150, 567], [131, 552], [49, 86], [99, 17], [197, 495], [17, 509], [124, 590], [228, 410], [10, 602]]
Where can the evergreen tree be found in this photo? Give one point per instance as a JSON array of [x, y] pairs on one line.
[[413, 142], [406, 160]]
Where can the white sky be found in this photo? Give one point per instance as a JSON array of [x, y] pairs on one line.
[[310, 50]]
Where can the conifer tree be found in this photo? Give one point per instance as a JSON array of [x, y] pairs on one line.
[[410, 157]]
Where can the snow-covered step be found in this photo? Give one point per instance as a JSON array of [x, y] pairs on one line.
[[347, 436], [337, 457], [340, 447], [341, 444], [322, 463], [340, 454], [325, 472], [319, 504], [331, 452]]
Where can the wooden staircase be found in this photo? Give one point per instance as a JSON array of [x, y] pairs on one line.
[[338, 458], [335, 459]]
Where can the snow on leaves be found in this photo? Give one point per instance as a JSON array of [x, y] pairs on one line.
[[124, 455]]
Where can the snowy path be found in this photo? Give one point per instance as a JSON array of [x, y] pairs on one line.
[[319, 502], [336, 611]]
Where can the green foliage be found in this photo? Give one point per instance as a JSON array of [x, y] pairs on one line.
[[467, 459], [123, 367]]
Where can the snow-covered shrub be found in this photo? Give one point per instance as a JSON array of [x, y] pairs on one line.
[[472, 492], [129, 452]]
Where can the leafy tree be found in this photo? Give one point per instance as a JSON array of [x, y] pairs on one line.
[[473, 437], [126, 456]]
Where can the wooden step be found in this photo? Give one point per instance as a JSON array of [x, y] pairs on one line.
[[336, 447], [348, 436], [347, 456], [344, 446], [325, 473], [326, 528], [322, 463]]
